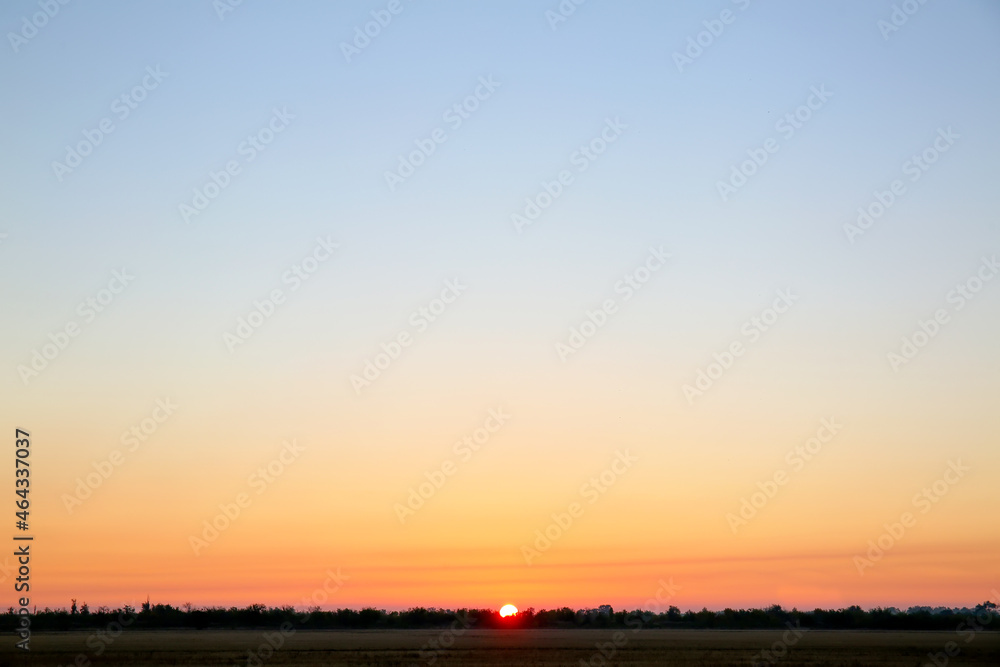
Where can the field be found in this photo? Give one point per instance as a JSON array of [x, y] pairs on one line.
[[500, 647]]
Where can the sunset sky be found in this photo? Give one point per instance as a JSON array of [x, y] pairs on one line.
[[224, 279]]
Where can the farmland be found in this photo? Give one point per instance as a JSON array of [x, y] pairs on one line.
[[546, 647]]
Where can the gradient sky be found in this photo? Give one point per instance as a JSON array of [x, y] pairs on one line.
[[494, 347]]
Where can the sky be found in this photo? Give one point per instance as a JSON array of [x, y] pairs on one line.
[[525, 302]]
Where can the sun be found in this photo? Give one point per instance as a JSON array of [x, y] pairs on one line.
[[508, 610]]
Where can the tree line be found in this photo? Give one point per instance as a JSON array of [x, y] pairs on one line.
[[149, 616]]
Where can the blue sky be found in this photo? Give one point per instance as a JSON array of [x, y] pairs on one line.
[[655, 185], [352, 120]]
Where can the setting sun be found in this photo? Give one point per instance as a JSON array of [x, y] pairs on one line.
[[497, 377]]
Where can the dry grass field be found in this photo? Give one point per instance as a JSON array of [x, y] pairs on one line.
[[502, 647]]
